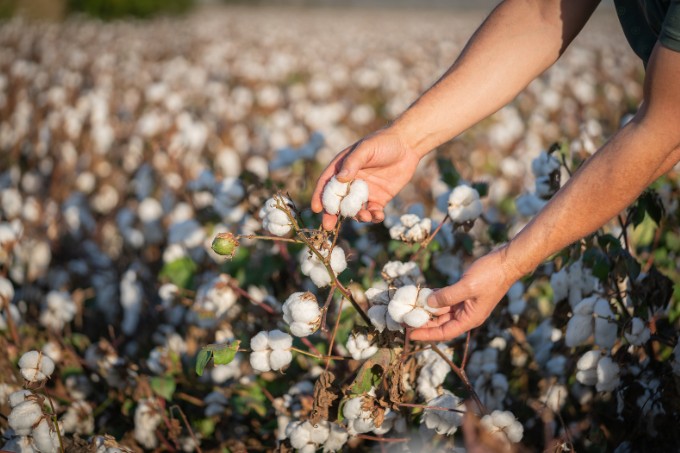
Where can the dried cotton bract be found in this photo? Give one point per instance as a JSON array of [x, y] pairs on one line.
[[271, 350], [409, 305], [344, 198], [301, 312], [274, 218], [464, 204], [411, 228]]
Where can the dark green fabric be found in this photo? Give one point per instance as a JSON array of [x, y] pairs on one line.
[[646, 21]]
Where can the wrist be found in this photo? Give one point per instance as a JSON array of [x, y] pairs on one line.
[[515, 264], [412, 137]]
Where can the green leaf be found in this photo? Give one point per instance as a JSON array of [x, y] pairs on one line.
[[370, 373], [202, 360], [180, 272], [482, 188], [448, 172], [163, 386], [224, 354]]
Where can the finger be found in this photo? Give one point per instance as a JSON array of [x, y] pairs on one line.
[[364, 215], [445, 332], [328, 221], [376, 210], [446, 297], [352, 163]]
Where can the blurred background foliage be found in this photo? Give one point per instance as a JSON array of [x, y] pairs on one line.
[[103, 9]]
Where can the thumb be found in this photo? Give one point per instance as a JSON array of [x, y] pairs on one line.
[[449, 296], [355, 161]]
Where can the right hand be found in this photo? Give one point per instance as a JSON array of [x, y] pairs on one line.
[[382, 160]]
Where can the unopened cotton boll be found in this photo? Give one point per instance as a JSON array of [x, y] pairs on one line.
[[274, 219], [464, 204], [503, 423], [360, 346], [444, 422], [639, 333], [302, 313], [36, 366], [409, 305], [345, 199]]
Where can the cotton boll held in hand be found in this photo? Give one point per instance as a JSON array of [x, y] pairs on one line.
[[464, 204], [409, 305], [301, 312], [345, 199]]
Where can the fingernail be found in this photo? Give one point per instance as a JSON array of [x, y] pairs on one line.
[[343, 174]]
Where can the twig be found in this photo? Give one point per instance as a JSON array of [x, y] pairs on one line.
[[433, 408], [463, 364], [245, 294], [383, 439], [10, 324], [318, 357], [326, 305], [267, 238], [188, 426], [335, 332], [56, 424], [463, 377], [426, 242]]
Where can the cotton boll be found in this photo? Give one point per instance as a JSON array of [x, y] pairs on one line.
[[337, 438], [639, 333], [18, 397], [360, 347], [259, 342], [301, 311], [605, 330], [559, 281], [24, 416], [6, 290], [397, 273], [275, 219], [464, 204], [444, 422], [377, 315], [131, 299], [299, 433], [259, 360], [279, 359], [409, 305], [555, 397], [45, 437], [579, 329], [78, 419], [587, 368], [492, 390], [528, 205], [280, 340], [503, 424], [59, 310], [333, 194], [544, 164], [607, 375], [35, 366], [352, 408], [147, 418]]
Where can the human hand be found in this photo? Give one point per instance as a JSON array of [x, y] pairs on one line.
[[466, 304], [383, 160]]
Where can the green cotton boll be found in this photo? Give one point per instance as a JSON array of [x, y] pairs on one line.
[[225, 244]]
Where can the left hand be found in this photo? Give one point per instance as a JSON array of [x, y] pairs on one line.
[[466, 304]]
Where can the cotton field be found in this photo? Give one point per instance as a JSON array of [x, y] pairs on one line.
[[132, 152]]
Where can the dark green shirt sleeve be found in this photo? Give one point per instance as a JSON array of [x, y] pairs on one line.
[[670, 31]]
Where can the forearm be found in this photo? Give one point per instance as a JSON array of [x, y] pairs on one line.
[[516, 43], [610, 180]]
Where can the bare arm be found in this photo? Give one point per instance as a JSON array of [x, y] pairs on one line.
[[608, 182], [516, 43]]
